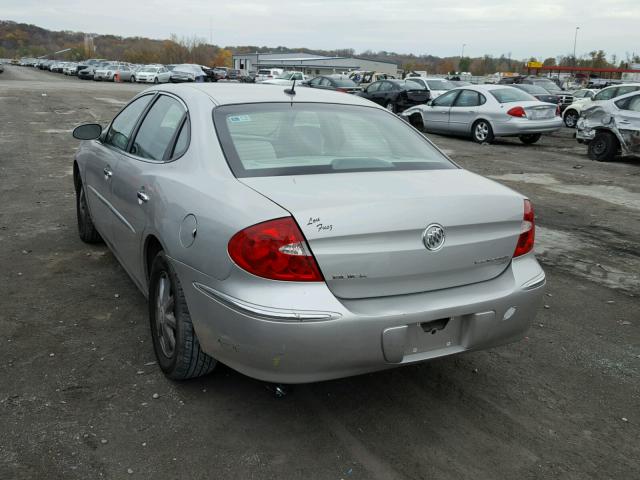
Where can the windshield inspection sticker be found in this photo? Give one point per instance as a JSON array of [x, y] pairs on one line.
[[240, 118]]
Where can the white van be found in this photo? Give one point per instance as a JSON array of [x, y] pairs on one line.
[[268, 74]]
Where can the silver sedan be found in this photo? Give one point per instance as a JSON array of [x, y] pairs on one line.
[[301, 236], [484, 112]]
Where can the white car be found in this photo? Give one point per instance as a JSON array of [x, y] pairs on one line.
[[436, 86], [287, 78], [572, 113], [268, 74], [152, 74]]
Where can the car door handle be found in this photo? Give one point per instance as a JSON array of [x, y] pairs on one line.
[[108, 173], [624, 122], [471, 111], [142, 197]]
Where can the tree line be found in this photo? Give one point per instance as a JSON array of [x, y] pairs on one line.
[[21, 40]]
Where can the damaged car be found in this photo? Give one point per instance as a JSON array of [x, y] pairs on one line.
[[611, 128]]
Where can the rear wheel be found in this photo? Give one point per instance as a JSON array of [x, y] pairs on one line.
[[155, 80], [571, 118], [86, 229], [174, 340], [416, 121], [132, 79], [603, 147], [481, 132], [530, 138]]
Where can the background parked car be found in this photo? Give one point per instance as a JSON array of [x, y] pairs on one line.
[[484, 112], [365, 79], [396, 95], [572, 113], [327, 82], [566, 98], [538, 92], [435, 86], [286, 79], [152, 74], [187, 72], [611, 127], [267, 74]]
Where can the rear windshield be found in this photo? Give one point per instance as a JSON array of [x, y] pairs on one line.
[[271, 139], [439, 85], [511, 94]]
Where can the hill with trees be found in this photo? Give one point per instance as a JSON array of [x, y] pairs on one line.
[[21, 40]]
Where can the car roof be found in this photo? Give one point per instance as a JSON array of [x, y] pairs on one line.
[[238, 93]]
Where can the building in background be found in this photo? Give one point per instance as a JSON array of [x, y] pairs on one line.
[[310, 64]]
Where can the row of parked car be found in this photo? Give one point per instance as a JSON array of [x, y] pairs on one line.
[[110, 71], [607, 120]]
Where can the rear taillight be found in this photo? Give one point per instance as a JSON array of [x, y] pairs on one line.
[[343, 90], [276, 250], [527, 231], [517, 112], [558, 112]]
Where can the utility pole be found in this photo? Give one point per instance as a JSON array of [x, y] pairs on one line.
[[462, 54], [575, 39]]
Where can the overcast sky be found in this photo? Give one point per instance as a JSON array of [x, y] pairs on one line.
[[539, 28]]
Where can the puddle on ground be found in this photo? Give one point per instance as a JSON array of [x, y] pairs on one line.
[[579, 256], [606, 193]]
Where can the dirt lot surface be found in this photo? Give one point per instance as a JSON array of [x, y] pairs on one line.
[[77, 385]]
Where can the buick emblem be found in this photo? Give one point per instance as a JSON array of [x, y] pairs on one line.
[[433, 237]]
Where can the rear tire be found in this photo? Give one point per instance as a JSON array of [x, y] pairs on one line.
[[530, 138], [86, 229], [174, 340], [481, 132], [571, 118], [132, 79], [155, 80], [417, 121], [603, 147]]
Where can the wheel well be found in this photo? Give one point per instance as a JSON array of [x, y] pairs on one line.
[[151, 249], [473, 125], [76, 176], [570, 110]]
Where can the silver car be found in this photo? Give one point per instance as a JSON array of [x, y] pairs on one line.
[[302, 236], [484, 112]]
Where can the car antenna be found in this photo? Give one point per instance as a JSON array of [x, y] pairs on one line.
[[292, 90]]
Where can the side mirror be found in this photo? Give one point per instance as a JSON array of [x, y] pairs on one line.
[[430, 103], [88, 131]]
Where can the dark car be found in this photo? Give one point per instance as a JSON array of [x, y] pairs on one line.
[[233, 74], [565, 99], [86, 73], [334, 83], [210, 74], [396, 95], [538, 92]]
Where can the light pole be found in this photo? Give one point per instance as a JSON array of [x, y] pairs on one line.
[[575, 39], [462, 54]]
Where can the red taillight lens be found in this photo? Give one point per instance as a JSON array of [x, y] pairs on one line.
[[517, 112], [343, 90], [558, 112], [276, 250], [527, 231]]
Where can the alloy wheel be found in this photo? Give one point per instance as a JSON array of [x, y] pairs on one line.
[[482, 131], [166, 325]]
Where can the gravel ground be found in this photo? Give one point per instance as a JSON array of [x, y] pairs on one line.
[[78, 385]]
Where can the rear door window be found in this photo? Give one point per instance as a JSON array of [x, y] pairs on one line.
[[606, 94], [467, 98], [158, 129]]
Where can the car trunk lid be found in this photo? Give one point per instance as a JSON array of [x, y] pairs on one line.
[[366, 229]]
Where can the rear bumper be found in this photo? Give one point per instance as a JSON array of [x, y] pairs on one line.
[[305, 344], [523, 126]]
